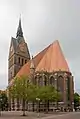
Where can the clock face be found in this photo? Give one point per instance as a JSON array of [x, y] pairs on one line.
[[22, 47]]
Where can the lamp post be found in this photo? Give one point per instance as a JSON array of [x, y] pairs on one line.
[[38, 100], [56, 89], [0, 105], [56, 86]]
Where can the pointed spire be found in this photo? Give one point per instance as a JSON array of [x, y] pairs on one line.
[[19, 30]]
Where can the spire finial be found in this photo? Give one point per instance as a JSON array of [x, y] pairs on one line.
[[19, 30]]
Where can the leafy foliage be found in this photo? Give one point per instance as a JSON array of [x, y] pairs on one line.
[[76, 99], [23, 89], [44, 93], [20, 88], [3, 101]]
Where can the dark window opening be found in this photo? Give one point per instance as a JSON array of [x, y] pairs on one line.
[[19, 60], [25, 61], [52, 81], [15, 60], [22, 61], [45, 82], [11, 75]]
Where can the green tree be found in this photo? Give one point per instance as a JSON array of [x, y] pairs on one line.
[[42, 94], [76, 99], [23, 89], [3, 101], [20, 90], [46, 94]]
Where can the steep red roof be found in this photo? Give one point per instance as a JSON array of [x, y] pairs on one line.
[[50, 59], [53, 59]]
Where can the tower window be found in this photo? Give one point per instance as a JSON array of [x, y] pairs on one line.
[[19, 60], [25, 61], [22, 61], [11, 75]]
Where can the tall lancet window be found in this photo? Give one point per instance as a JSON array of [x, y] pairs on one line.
[[45, 80], [40, 81], [60, 84], [52, 81]]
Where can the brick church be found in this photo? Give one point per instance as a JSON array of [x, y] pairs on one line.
[[48, 67]]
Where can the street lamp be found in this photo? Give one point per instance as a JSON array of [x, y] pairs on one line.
[[56, 89], [56, 85], [0, 105], [38, 99]]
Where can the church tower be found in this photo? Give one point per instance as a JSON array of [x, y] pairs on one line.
[[18, 53]]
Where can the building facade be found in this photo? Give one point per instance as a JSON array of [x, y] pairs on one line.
[[49, 67]]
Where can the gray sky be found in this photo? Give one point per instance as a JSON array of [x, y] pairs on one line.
[[43, 21]]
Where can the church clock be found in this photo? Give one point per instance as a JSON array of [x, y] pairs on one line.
[[22, 47]]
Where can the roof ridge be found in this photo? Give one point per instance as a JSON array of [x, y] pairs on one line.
[[44, 55], [51, 55], [45, 49], [63, 55], [56, 58], [61, 52]]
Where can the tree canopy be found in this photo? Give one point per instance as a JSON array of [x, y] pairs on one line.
[[76, 99], [3, 101], [23, 89]]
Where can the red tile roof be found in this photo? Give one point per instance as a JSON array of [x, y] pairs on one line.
[[53, 59]]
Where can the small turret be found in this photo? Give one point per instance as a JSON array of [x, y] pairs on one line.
[[32, 70], [32, 66]]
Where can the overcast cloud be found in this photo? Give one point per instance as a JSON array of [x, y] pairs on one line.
[[43, 21]]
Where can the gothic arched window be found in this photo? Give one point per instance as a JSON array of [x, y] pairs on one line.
[[40, 81], [52, 81], [22, 61], [68, 87], [19, 60], [60, 83], [45, 80]]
